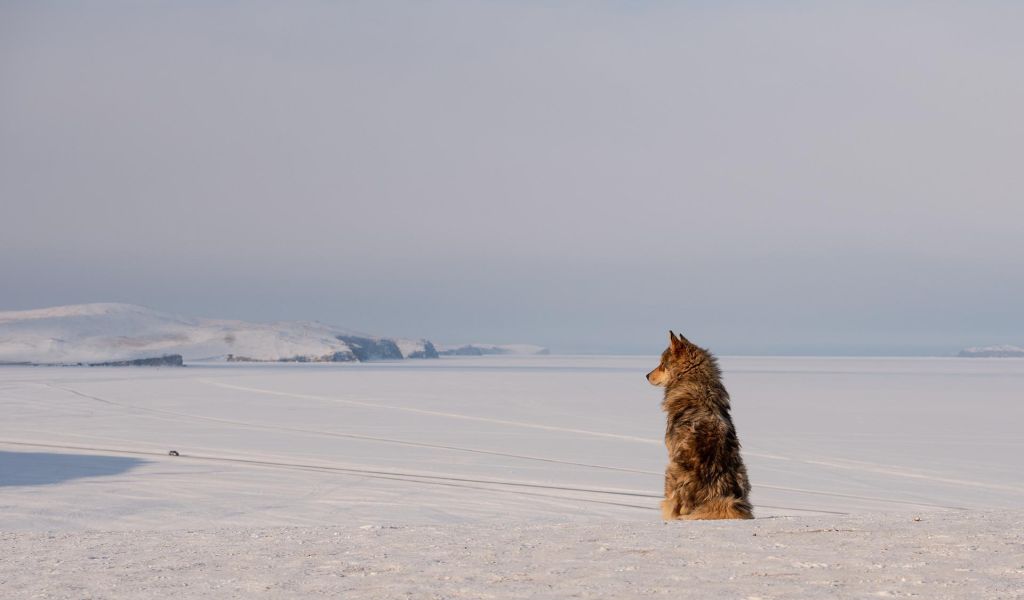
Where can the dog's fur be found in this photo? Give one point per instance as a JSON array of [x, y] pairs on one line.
[[705, 477]]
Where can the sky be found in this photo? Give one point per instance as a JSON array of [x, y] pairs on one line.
[[780, 178]]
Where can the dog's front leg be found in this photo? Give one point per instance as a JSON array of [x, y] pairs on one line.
[[673, 505], [668, 504], [668, 512]]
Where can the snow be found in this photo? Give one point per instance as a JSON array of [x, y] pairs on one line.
[[948, 555], [411, 347], [89, 333], [512, 476]]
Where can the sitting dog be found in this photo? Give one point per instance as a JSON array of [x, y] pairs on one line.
[[705, 478]]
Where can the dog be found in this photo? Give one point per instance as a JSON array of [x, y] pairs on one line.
[[705, 477]]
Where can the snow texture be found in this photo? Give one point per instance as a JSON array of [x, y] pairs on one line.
[[504, 477], [948, 555]]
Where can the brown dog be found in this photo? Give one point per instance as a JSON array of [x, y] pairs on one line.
[[705, 478]]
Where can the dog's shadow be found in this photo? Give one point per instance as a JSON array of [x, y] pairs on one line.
[[45, 468]]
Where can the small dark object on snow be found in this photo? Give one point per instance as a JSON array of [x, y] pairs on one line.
[[173, 453]]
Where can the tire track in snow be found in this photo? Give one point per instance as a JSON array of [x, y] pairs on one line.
[[783, 488], [443, 480], [895, 471], [850, 465], [374, 474], [435, 413], [360, 437], [355, 436]]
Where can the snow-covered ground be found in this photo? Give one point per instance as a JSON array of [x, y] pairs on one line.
[[525, 476], [943, 555]]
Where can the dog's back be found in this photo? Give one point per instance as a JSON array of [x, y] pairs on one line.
[[705, 478]]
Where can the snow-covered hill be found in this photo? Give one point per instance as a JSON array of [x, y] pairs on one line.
[[95, 333], [1003, 351]]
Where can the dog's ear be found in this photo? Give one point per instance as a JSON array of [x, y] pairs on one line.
[[674, 342], [677, 342]]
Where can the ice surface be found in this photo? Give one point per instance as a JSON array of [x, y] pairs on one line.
[[869, 475], [532, 438]]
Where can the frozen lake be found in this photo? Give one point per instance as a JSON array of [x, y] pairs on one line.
[[531, 439]]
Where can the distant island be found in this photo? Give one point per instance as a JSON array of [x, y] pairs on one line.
[[486, 349], [114, 334], [1002, 351], [169, 360]]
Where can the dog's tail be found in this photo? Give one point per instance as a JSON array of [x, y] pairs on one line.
[[725, 507]]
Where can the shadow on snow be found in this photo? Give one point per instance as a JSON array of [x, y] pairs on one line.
[[44, 468]]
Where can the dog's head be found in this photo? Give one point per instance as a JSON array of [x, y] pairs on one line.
[[680, 358]]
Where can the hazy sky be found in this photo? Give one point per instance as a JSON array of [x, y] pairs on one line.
[[779, 177]]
